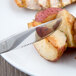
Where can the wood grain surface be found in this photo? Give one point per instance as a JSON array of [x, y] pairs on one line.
[[7, 70]]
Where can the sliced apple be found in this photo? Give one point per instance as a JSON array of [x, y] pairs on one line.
[[55, 3], [67, 26], [47, 14], [31, 4], [33, 24], [19, 3], [44, 3], [52, 47], [66, 2]]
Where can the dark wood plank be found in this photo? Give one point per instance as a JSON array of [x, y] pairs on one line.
[[7, 70]]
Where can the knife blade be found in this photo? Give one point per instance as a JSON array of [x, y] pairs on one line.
[[33, 35]]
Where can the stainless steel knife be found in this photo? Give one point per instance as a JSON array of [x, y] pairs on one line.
[[33, 35]]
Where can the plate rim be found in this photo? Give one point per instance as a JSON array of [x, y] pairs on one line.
[[15, 66]]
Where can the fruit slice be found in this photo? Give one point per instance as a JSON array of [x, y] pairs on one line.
[[66, 2], [55, 3], [47, 14], [67, 26], [52, 47], [33, 24], [44, 3], [19, 3], [31, 4]]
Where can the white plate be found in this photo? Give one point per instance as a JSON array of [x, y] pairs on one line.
[[14, 19]]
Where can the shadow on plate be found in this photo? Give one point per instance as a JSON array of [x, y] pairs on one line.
[[68, 58]]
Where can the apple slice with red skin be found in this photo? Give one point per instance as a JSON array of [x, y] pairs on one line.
[[47, 14]]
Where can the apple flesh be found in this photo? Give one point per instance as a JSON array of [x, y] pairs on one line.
[[67, 26], [52, 47]]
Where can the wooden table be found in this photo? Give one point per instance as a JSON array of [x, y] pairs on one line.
[[7, 70]]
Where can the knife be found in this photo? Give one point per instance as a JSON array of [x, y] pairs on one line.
[[33, 35]]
